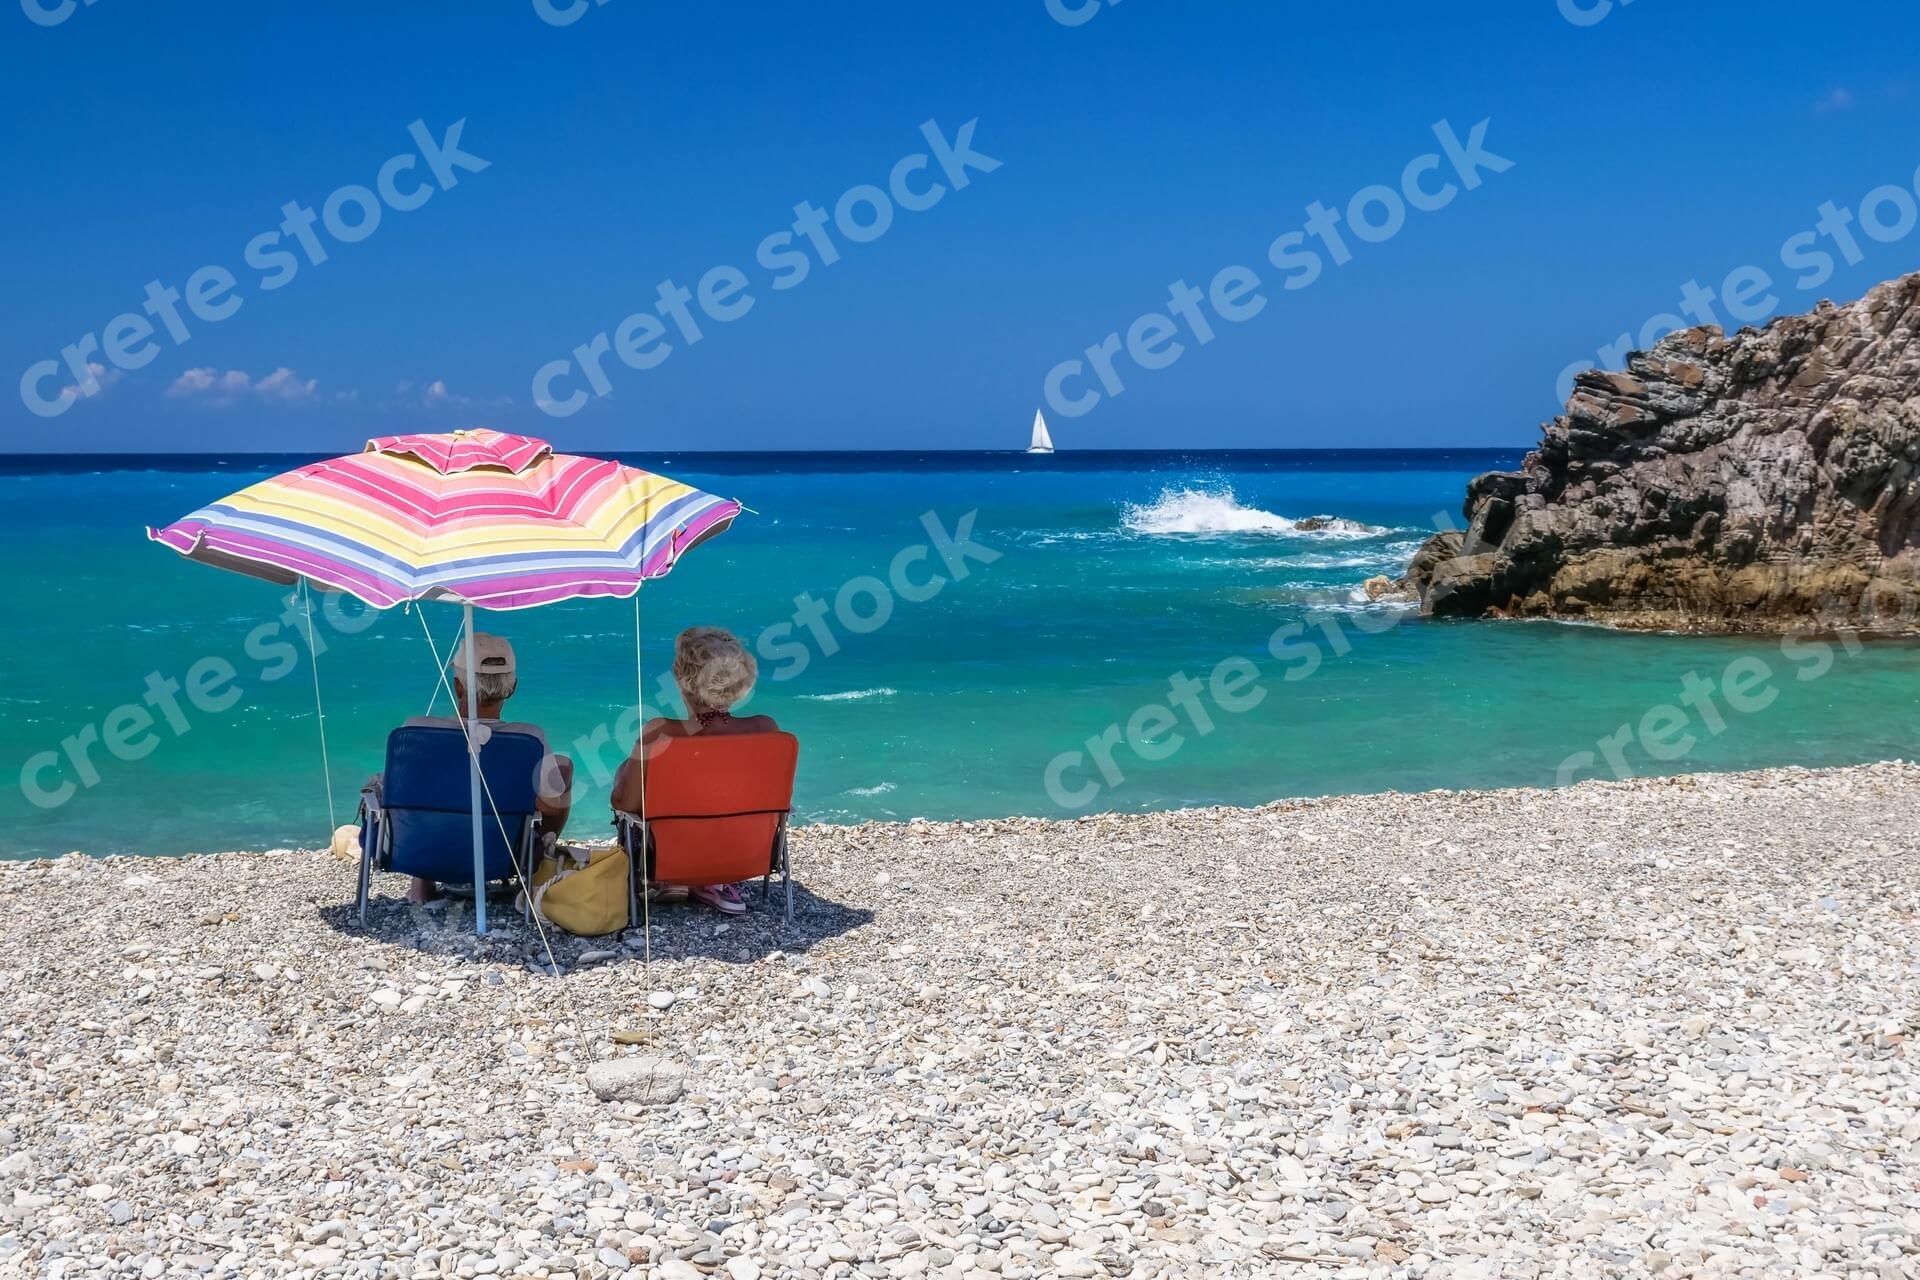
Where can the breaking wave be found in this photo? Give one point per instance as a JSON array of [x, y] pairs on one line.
[[1196, 512]]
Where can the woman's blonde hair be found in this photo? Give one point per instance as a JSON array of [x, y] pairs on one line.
[[713, 668]]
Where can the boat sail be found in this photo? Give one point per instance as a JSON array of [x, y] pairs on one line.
[[1042, 442]]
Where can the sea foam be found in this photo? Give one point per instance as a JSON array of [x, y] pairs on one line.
[[1198, 512], [852, 695]]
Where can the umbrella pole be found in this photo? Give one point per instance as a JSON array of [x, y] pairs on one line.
[[473, 786], [644, 871]]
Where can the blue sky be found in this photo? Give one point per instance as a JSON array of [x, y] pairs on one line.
[[1157, 141]]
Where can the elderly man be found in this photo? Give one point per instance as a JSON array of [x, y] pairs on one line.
[[496, 680]]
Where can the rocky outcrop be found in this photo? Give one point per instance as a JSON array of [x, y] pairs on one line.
[[1760, 482], [1381, 587]]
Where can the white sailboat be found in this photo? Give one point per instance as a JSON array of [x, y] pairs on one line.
[[1042, 442]]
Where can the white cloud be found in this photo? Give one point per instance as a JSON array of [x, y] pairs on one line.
[[222, 390], [284, 384], [102, 376], [191, 382], [1838, 100], [434, 394]]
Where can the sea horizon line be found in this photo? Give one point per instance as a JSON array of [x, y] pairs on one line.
[[52, 463]]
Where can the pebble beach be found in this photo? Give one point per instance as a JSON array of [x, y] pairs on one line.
[[1656, 1027]]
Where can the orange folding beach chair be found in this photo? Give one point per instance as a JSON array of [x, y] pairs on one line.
[[716, 813]]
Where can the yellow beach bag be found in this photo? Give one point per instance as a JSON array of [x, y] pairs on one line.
[[582, 889]]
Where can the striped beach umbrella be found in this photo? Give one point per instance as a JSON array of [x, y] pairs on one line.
[[480, 517]]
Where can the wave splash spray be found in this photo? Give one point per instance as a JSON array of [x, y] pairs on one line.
[[1199, 512]]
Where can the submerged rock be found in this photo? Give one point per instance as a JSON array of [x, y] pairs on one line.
[[1767, 481]]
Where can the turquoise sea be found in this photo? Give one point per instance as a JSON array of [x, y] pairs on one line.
[[1115, 573]]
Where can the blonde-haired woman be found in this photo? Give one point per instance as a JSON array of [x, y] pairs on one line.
[[715, 674]]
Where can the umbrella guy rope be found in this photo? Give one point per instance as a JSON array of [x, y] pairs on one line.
[[553, 965], [645, 900], [646, 908], [467, 729], [319, 712]]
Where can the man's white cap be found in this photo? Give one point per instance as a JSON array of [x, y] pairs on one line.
[[492, 656]]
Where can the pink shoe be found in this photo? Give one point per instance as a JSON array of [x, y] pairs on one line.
[[724, 898]]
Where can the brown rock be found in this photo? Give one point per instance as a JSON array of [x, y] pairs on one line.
[[1764, 482], [1685, 374], [1622, 385]]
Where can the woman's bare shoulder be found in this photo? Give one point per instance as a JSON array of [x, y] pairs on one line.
[[661, 727]]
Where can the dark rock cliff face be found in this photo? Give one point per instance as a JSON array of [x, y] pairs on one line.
[[1762, 482]]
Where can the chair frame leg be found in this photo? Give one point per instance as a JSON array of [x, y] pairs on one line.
[[786, 870], [634, 839], [637, 840], [635, 872], [525, 868], [369, 840]]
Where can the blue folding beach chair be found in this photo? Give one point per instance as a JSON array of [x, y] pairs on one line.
[[419, 821]]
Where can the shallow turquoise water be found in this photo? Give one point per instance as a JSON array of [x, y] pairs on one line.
[[1115, 573]]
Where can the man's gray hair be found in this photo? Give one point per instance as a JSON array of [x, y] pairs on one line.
[[488, 686]]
